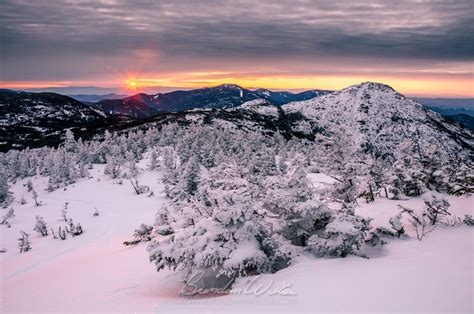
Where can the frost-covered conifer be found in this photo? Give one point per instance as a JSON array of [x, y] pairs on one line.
[[24, 243], [436, 208], [64, 212], [10, 214], [153, 160], [35, 198], [131, 164], [219, 233], [41, 226], [114, 163], [188, 180], [343, 235], [289, 200], [4, 192], [70, 144], [397, 225], [143, 233]]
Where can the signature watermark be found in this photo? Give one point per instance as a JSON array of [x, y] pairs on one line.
[[198, 284]]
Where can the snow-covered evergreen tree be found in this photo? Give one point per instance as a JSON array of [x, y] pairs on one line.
[[34, 195], [24, 243], [41, 226], [153, 160], [218, 230], [344, 235], [10, 214], [5, 194]]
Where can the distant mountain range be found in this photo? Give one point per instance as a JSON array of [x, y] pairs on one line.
[[92, 98], [219, 97]]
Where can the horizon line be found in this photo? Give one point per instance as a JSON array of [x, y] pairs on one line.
[[121, 91]]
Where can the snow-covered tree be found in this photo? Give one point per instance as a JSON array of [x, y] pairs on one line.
[[218, 230], [344, 235], [35, 198], [143, 233], [64, 212], [289, 202], [153, 160], [468, 220], [5, 194], [24, 243], [396, 224], [435, 208], [113, 164], [41, 226], [29, 186], [10, 214], [419, 221], [70, 144], [73, 229]]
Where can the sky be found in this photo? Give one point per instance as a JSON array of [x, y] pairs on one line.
[[419, 47]]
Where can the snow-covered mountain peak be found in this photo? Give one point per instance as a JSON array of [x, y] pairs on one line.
[[376, 118], [228, 86], [370, 87]]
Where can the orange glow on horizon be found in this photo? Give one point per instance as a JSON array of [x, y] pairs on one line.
[[429, 86]]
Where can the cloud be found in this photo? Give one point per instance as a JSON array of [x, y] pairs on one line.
[[85, 37]]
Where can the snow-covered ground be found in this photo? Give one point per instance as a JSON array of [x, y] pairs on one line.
[[96, 272]]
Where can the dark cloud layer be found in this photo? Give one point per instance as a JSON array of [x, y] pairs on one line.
[[63, 38]]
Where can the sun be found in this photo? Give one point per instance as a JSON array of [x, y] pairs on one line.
[[131, 84]]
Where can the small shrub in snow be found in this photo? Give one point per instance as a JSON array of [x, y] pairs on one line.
[[143, 233], [41, 226], [397, 225], [420, 222], [139, 189], [74, 230], [62, 233], [162, 224], [10, 214], [22, 200], [436, 208], [64, 212], [468, 220], [53, 234], [34, 195], [24, 243], [29, 185]]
